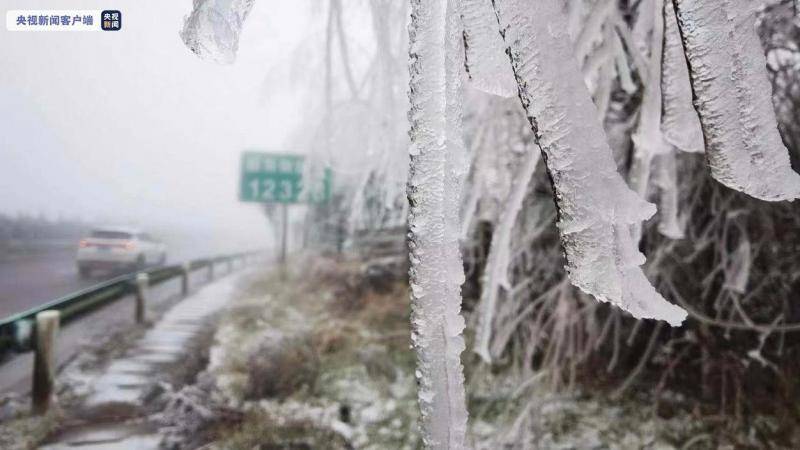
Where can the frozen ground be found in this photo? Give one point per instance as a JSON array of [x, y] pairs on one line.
[[321, 360]]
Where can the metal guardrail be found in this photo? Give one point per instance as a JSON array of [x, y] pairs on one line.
[[16, 331], [382, 242]]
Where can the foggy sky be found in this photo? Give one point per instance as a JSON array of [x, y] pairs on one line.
[[130, 126]]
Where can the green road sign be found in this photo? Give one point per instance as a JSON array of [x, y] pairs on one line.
[[278, 178]]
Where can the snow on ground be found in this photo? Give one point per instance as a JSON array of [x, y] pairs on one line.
[[326, 355]]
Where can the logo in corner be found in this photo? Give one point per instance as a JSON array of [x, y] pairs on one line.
[[111, 20]]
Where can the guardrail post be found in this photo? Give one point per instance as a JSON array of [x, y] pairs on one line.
[[185, 273], [142, 284], [44, 361]]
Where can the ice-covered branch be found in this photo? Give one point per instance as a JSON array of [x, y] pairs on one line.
[[680, 123], [496, 271], [213, 27], [732, 96], [434, 189], [596, 208], [486, 65]]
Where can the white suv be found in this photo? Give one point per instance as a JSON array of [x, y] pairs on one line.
[[118, 248]]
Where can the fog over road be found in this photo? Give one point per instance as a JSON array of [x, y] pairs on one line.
[[30, 280]]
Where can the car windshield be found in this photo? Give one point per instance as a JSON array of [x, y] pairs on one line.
[[109, 234]]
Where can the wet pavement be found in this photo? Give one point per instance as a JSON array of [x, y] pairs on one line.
[[72, 338], [30, 280], [123, 385], [107, 437]]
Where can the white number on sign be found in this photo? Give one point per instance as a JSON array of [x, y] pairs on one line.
[[269, 189], [286, 189]]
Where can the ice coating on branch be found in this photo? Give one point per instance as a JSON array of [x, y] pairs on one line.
[[496, 270], [438, 167], [591, 30], [213, 27], [647, 20], [680, 123], [596, 207], [492, 154], [486, 63], [733, 97]]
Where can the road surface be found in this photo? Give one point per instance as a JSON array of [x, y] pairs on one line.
[[30, 280], [27, 281], [15, 372]]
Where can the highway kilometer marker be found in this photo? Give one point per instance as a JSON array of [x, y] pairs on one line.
[[278, 178]]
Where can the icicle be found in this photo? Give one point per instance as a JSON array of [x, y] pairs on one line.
[[487, 67], [680, 123], [212, 29], [647, 139], [434, 189], [737, 271], [651, 149], [496, 271], [732, 91], [596, 208], [666, 178]]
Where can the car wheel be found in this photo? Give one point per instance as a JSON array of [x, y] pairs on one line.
[[84, 272]]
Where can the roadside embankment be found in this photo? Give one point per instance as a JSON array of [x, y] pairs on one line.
[[320, 359]]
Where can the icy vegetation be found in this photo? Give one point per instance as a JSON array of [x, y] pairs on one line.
[[728, 71], [596, 208], [652, 151], [680, 123], [213, 27], [435, 182], [499, 258], [487, 64]]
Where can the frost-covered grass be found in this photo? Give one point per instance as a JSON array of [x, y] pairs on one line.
[[26, 431], [318, 357], [544, 420], [518, 414], [504, 416]]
